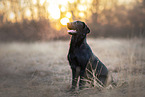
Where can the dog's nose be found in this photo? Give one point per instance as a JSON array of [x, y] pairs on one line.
[[67, 24]]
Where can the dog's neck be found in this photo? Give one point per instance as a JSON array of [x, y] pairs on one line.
[[77, 42]]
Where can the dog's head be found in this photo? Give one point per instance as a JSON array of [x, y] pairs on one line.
[[77, 27]]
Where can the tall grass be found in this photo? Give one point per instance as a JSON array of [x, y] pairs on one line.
[[41, 68]]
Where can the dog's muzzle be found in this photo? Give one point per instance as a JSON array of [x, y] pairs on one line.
[[72, 32]]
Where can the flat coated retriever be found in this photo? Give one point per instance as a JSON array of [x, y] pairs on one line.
[[81, 58]]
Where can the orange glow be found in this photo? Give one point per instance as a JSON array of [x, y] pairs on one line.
[[101, 8], [35, 13], [12, 17], [41, 2], [82, 1], [8, 4], [57, 11], [54, 12], [71, 1], [125, 1], [64, 21], [81, 14], [63, 9], [34, 1], [62, 2], [82, 8], [68, 15], [1, 6], [28, 13]]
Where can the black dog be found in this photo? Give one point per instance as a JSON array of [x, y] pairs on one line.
[[80, 56]]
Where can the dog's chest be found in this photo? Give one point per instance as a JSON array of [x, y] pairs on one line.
[[79, 55]]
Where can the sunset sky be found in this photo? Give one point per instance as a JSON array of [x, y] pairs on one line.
[[54, 10]]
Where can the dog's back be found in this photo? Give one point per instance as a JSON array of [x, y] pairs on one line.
[[98, 68]]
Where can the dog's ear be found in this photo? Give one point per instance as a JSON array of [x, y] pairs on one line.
[[87, 29]]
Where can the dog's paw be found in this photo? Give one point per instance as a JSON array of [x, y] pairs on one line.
[[72, 89]]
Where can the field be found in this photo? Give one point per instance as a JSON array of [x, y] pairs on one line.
[[40, 69]]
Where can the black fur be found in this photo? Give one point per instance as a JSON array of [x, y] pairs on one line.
[[80, 56]]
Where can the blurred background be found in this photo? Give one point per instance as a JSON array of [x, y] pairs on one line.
[[34, 44], [38, 20]]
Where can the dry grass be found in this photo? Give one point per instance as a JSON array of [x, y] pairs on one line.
[[40, 69]]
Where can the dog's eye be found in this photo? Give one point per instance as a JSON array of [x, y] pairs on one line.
[[75, 22]]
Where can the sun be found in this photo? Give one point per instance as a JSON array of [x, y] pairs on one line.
[[64, 21], [11, 16], [54, 12], [68, 15]]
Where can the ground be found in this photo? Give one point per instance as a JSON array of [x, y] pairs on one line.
[[41, 69]]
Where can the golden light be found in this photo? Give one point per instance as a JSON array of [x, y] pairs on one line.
[[54, 12], [1, 6], [47, 0], [63, 9], [81, 14], [64, 21], [62, 2], [125, 1], [101, 8], [71, 1], [57, 27], [140, 1], [11, 16], [35, 10], [8, 4], [35, 14], [82, 8], [42, 2], [34, 1], [68, 15], [19, 17], [82, 1], [89, 1], [28, 13]]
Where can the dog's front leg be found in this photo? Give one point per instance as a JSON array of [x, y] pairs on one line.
[[75, 75], [82, 79]]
